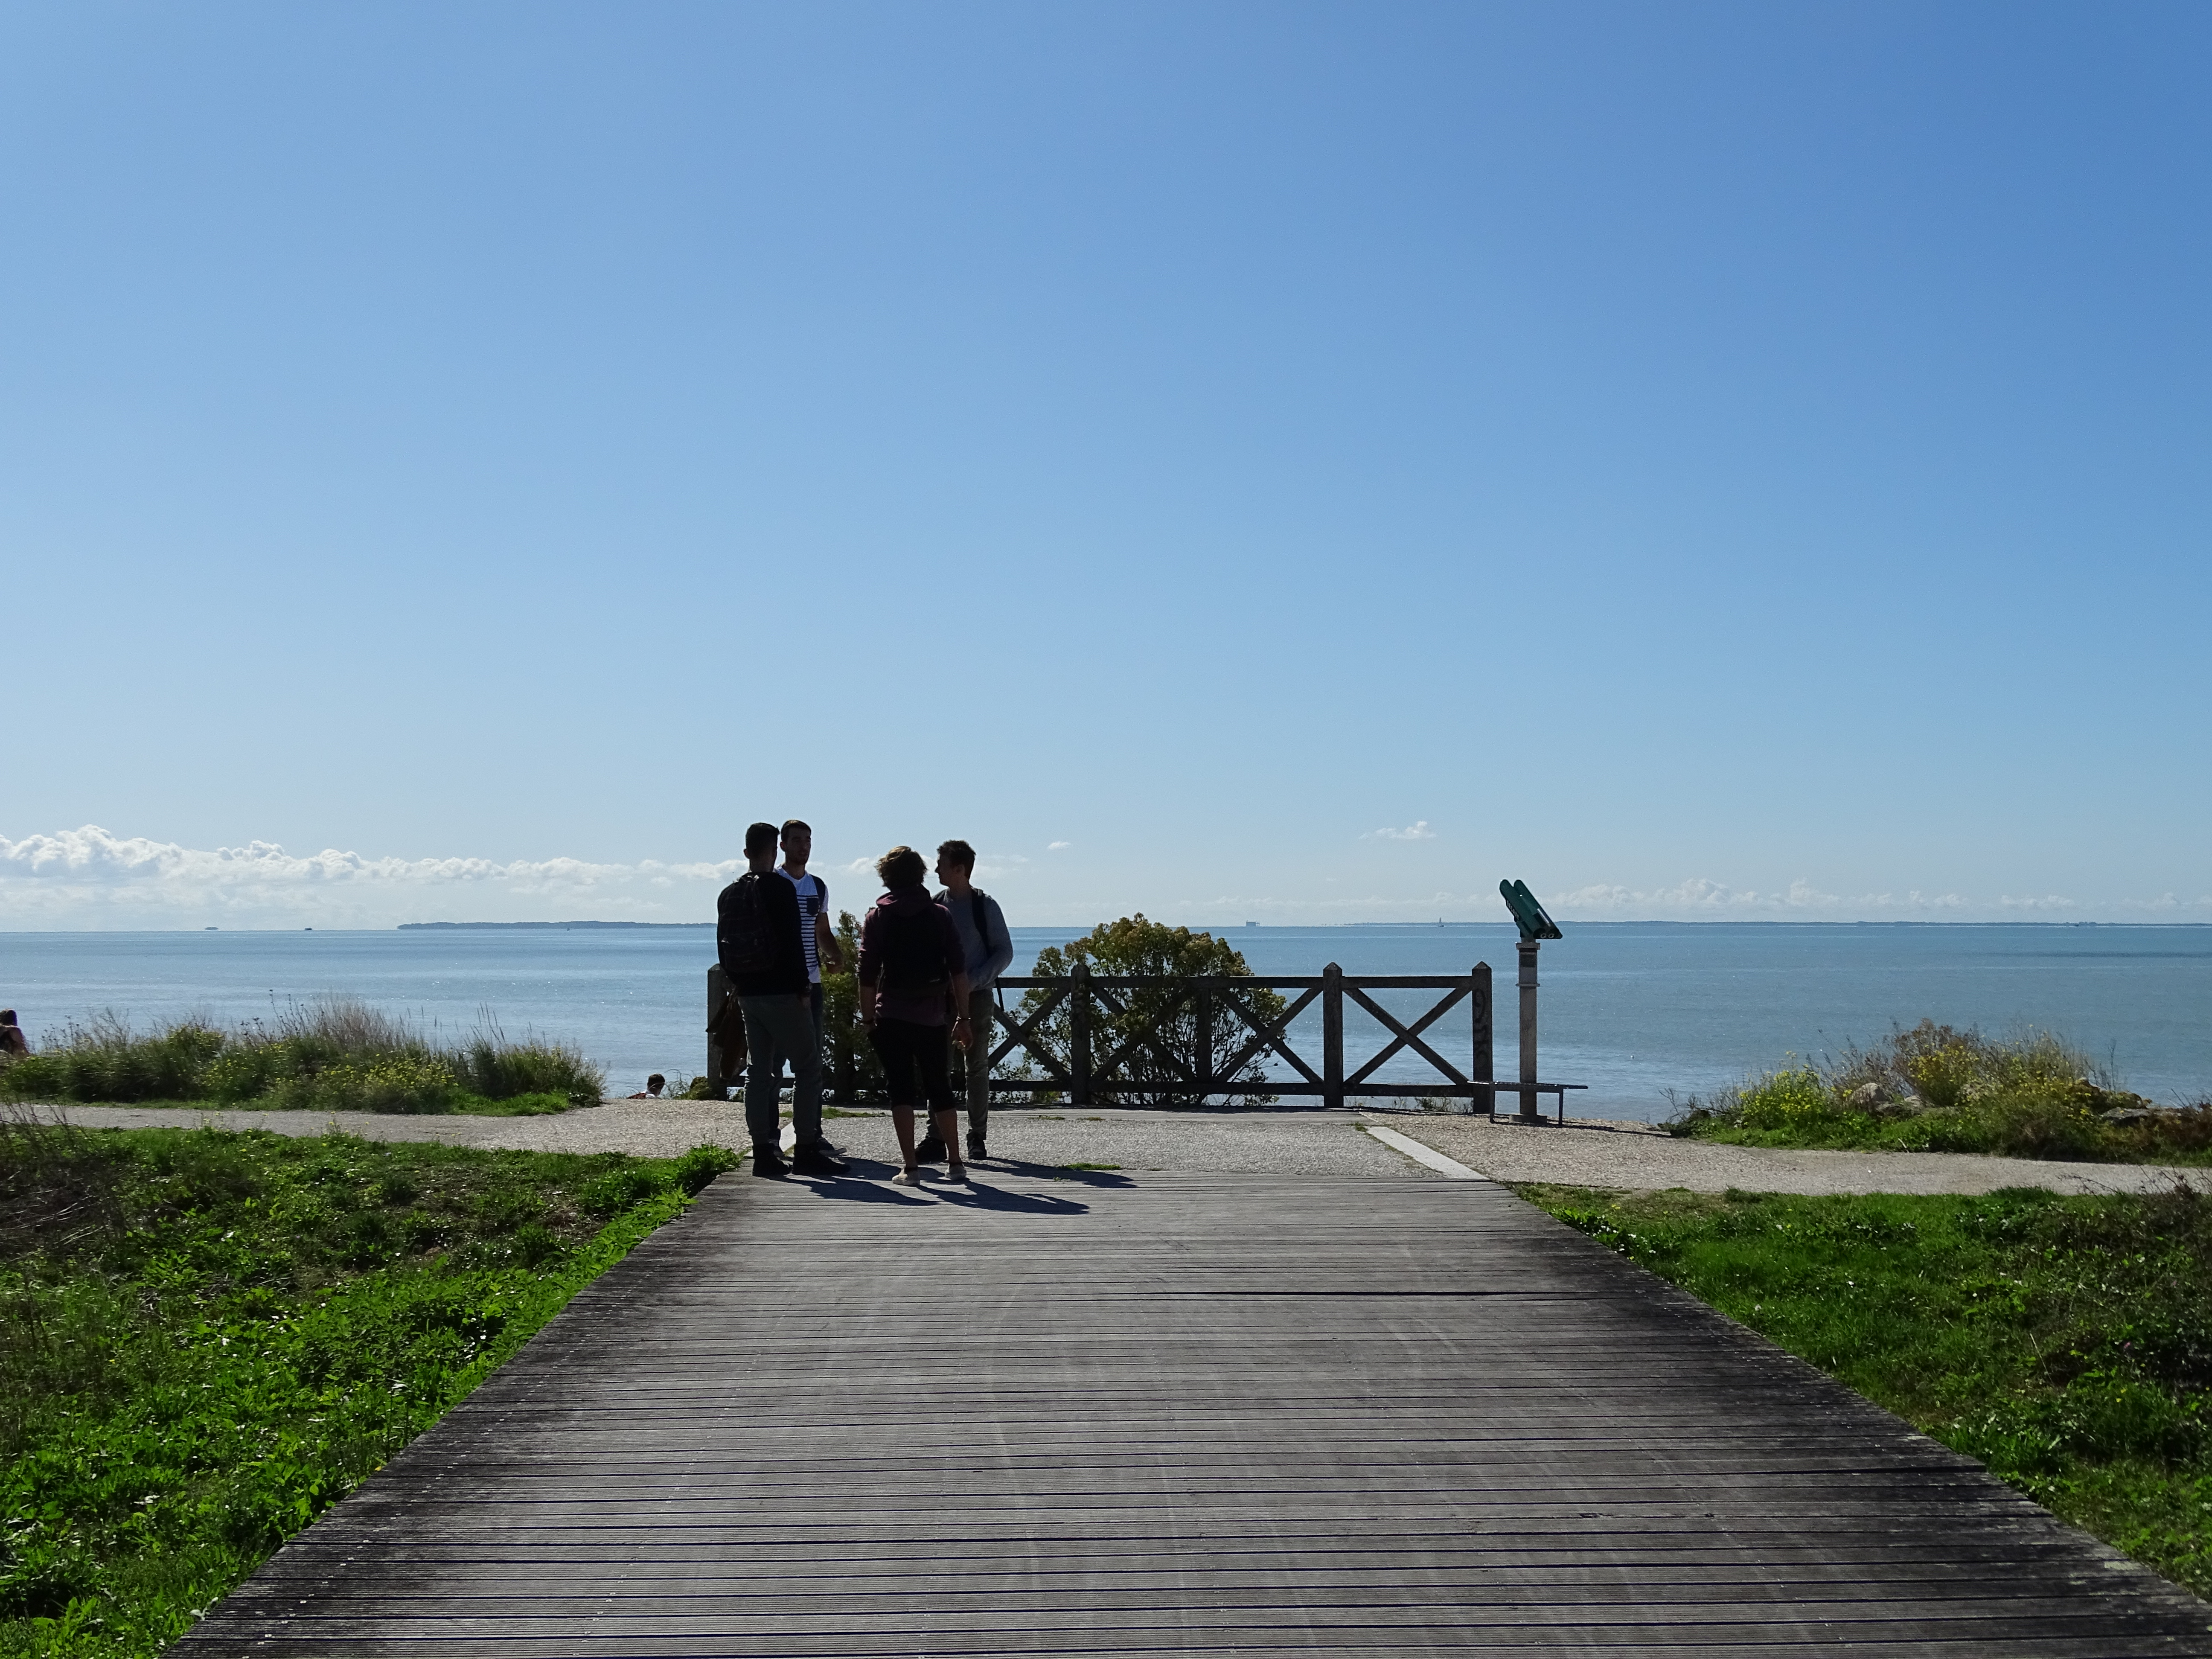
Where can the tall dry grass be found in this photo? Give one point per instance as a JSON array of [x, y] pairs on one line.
[[336, 1054]]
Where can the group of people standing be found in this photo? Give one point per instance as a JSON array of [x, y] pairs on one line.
[[928, 964]]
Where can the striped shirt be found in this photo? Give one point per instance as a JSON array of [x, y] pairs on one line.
[[813, 895]]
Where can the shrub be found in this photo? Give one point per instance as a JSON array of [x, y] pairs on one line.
[[852, 1071], [497, 1069], [332, 1055], [390, 1083], [104, 1061], [1154, 1028], [1785, 1099], [1934, 1087], [701, 1165]]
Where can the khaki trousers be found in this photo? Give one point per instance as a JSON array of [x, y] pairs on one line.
[[982, 1012]]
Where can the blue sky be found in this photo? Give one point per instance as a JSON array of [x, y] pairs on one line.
[[1701, 460]]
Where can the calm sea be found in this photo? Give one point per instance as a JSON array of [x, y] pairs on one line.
[[1633, 1009]]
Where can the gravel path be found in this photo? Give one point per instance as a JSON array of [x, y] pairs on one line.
[[1631, 1156], [1208, 1143], [1635, 1156]]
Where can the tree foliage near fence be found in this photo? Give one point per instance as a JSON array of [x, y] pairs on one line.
[[1171, 958]]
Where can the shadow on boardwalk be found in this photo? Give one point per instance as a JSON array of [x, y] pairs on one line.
[[1195, 1414]]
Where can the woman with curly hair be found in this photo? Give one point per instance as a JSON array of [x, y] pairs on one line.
[[914, 975]]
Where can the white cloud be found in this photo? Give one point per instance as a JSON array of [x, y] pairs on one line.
[[1419, 831], [89, 878], [1058, 846], [2048, 902]]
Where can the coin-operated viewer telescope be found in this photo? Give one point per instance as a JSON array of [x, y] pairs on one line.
[[1535, 928]]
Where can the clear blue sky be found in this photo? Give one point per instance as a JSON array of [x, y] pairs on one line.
[[1681, 456]]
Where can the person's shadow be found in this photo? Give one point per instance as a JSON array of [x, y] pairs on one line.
[[978, 1195], [1061, 1172], [867, 1180]]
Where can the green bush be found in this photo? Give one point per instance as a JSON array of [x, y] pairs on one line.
[[1154, 1030], [103, 1061], [852, 1070], [1784, 1100], [335, 1054], [1934, 1087], [495, 1068]]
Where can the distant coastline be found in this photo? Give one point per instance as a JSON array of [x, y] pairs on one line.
[[1503, 922], [406, 924]]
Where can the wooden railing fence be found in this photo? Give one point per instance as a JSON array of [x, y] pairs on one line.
[[1114, 1039]]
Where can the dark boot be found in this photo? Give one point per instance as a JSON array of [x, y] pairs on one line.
[[818, 1158]]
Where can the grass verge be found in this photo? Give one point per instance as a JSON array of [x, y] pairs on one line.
[[334, 1056], [2064, 1342], [1934, 1089], [207, 1339]]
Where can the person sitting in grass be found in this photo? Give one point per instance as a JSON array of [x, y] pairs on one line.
[[13, 1045], [913, 974]]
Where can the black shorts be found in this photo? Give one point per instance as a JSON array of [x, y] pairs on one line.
[[915, 1065]]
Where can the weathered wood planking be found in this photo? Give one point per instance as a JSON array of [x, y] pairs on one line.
[[1257, 1416]]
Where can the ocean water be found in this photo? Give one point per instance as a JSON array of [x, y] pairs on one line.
[[1634, 1010]]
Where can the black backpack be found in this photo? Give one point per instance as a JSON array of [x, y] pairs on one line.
[[914, 954], [744, 931]]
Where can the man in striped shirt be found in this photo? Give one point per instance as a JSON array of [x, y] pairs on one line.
[[815, 936]]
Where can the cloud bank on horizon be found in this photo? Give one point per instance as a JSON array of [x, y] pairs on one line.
[[91, 878]]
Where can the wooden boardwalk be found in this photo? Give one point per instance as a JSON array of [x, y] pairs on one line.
[[1246, 1416]]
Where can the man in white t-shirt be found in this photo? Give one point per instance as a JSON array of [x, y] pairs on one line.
[[815, 933]]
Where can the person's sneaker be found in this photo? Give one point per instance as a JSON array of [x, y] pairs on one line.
[[769, 1166], [958, 1174], [932, 1149], [976, 1150], [907, 1178], [817, 1160]]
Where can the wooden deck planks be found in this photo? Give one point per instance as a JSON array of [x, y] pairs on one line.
[[1251, 1416]]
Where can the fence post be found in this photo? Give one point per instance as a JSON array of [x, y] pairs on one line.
[[718, 994], [1079, 1031], [1484, 1069], [1205, 1066], [1332, 1037], [1528, 948]]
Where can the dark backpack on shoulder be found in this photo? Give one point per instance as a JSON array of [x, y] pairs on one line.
[[744, 930]]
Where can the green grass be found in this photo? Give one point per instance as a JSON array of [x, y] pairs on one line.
[[337, 1054], [206, 1339], [1933, 1089], [2065, 1342]]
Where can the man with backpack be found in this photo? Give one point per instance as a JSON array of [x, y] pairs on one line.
[[988, 949], [758, 938]]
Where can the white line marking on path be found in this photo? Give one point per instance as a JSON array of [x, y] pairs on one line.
[[1420, 1154]]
